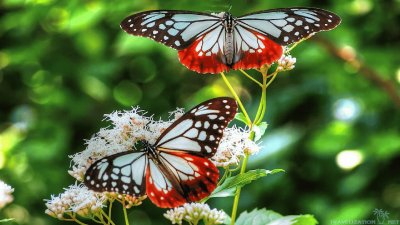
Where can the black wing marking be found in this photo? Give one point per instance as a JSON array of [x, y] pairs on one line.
[[123, 173], [174, 28], [288, 25], [200, 130]]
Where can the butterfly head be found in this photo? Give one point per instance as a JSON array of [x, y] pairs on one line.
[[228, 21]]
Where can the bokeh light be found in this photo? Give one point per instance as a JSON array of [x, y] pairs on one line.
[[346, 109], [349, 159]]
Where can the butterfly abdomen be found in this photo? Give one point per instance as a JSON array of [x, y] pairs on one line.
[[228, 49], [229, 40]]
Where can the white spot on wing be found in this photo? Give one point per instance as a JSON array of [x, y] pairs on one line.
[[202, 136], [177, 130], [160, 182], [172, 31], [212, 117], [206, 111], [288, 28], [181, 25], [138, 169], [265, 27], [306, 14], [299, 23], [126, 170], [192, 133], [279, 23], [182, 143], [195, 28]]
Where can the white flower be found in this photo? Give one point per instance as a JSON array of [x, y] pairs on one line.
[[129, 127], [5, 194], [194, 212], [286, 62], [76, 199], [234, 144]]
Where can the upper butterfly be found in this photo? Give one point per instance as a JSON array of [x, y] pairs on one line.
[[174, 170], [213, 43]]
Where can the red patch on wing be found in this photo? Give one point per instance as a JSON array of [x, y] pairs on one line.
[[195, 188], [261, 56], [199, 61]]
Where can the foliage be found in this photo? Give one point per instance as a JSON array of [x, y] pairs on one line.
[[269, 217], [229, 186]]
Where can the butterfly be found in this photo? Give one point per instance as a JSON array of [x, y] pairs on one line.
[[213, 43], [175, 169]]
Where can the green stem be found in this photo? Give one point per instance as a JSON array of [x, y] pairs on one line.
[[272, 79], [107, 217], [237, 195], [73, 217], [248, 120], [263, 102], [125, 213], [110, 208], [250, 77], [258, 119], [79, 222]]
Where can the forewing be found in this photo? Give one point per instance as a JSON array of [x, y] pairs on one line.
[[123, 173], [174, 28], [200, 130], [196, 176], [288, 25], [206, 53]]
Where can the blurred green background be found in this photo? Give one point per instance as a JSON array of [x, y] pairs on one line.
[[332, 124]]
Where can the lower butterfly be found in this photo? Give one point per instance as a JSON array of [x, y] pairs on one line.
[[213, 43], [174, 170]]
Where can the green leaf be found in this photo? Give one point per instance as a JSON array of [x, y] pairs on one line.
[[259, 130], [228, 188], [241, 117], [295, 220], [6, 220], [269, 217], [257, 217]]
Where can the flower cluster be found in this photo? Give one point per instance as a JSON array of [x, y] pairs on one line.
[[129, 127], [286, 62], [76, 199], [5, 194], [234, 144], [194, 212]]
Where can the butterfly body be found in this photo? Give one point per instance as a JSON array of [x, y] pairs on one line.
[[213, 43], [175, 169]]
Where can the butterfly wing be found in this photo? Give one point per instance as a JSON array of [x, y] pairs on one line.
[[259, 36], [179, 178], [199, 37], [200, 130], [288, 25], [253, 49], [174, 28], [182, 173], [123, 173], [206, 53]]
